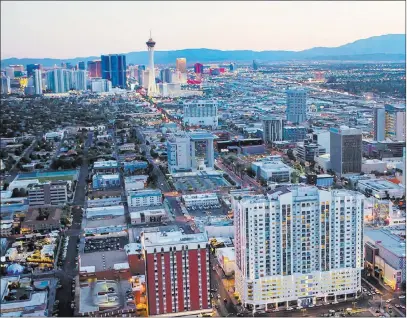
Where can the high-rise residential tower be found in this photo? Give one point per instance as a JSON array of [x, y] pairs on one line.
[[296, 244], [37, 81], [273, 129], [181, 64], [296, 105], [114, 69], [152, 86], [346, 150]]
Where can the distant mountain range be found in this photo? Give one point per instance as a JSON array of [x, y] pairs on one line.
[[390, 47]]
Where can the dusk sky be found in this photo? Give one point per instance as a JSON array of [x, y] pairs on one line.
[[80, 29]]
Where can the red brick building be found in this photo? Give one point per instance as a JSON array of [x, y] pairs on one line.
[[177, 272]]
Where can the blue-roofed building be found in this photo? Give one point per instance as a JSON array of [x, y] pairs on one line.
[[385, 256], [105, 181], [108, 166], [142, 198], [134, 165]]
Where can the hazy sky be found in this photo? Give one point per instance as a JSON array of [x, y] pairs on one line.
[[80, 28]]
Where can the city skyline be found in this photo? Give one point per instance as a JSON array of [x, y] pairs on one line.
[[261, 30]]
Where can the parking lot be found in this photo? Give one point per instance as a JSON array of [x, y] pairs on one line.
[[105, 244], [199, 183], [210, 210]]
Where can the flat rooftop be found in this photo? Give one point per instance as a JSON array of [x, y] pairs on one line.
[[101, 263], [118, 220], [169, 238], [104, 211], [389, 241], [379, 185]]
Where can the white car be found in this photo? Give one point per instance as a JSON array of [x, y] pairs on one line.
[[402, 296]]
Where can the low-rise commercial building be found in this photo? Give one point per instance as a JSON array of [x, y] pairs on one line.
[[200, 199], [108, 166], [104, 181], [135, 182], [148, 216], [380, 188], [385, 257], [227, 260], [50, 193], [272, 169], [147, 197], [374, 165]]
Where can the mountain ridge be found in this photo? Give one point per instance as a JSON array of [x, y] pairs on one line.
[[389, 47]]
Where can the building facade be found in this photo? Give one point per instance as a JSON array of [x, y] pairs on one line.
[[101, 85], [5, 85], [294, 133], [316, 250], [114, 69], [31, 68], [145, 197], [189, 151], [51, 193], [296, 105], [37, 81], [395, 122], [95, 68], [198, 68], [178, 272], [273, 129], [201, 113], [346, 150], [379, 124], [181, 65]]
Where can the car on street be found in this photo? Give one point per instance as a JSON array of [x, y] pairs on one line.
[[402, 296]]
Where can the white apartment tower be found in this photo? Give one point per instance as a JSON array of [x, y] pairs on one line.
[[203, 113], [38, 82], [297, 244]]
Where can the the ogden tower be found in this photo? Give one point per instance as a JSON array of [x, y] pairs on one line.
[[152, 87]]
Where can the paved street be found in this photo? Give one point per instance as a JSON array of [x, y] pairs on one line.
[[161, 179], [224, 309], [69, 270]]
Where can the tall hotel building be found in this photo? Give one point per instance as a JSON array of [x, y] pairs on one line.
[[114, 69], [181, 64], [177, 271], [296, 244]]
